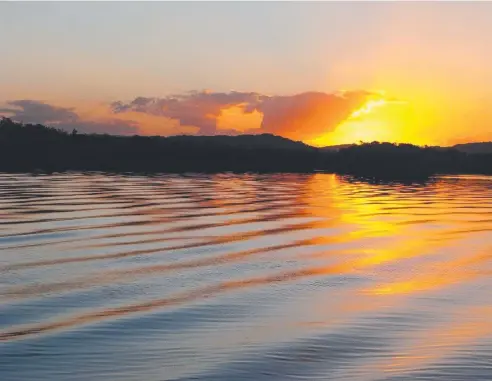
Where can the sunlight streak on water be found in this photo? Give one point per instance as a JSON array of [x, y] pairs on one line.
[[244, 277]]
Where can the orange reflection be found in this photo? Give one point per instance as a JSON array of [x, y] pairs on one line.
[[432, 276], [431, 345]]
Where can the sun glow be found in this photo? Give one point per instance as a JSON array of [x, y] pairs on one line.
[[379, 119], [367, 108]]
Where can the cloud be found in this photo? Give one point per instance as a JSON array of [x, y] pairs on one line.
[[308, 115], [299, 116], [199, 109], [32, 111]]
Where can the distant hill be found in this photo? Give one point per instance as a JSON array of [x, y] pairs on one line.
[[242, 141], [335, 148], [28, 147], [483, 147]]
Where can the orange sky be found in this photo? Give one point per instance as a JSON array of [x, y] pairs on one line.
[[380, 116], [426, 67]]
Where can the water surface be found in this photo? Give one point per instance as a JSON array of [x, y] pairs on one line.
[[244, 277]]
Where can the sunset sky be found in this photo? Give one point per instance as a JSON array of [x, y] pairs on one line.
[[324, 73]]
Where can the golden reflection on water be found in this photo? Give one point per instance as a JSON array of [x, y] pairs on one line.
[[396, 276]]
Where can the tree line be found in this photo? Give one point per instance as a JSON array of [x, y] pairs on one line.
[[35, 147]]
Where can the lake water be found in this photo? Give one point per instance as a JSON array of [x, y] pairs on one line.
[[244, 277]]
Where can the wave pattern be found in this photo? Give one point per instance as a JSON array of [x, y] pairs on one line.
[[244, 277]]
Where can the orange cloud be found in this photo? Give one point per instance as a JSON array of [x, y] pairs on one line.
[[235, 118], [308, 115], [301, 116]]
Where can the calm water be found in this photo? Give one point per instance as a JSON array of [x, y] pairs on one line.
[[244, 277]]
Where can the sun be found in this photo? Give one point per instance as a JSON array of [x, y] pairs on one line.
[[368, 107], [379, 119]]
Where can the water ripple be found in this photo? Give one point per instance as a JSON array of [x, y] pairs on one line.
[[244, 277]]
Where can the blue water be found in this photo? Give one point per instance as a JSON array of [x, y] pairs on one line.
[[244, 277]]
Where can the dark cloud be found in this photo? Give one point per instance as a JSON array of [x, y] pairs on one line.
[[31, 111], [299, 116]]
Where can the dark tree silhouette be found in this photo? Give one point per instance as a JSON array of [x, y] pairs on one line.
[[28, 147]]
